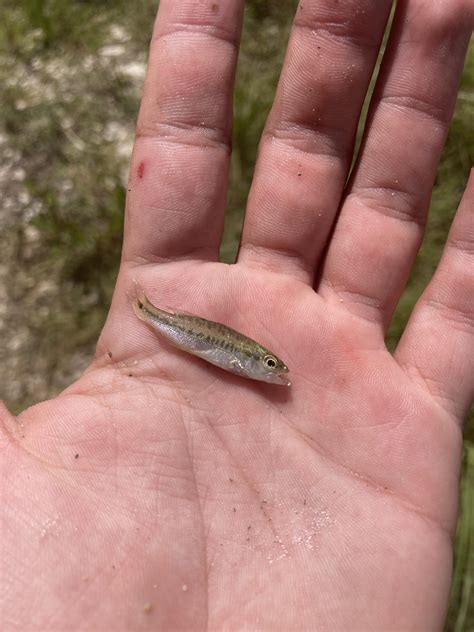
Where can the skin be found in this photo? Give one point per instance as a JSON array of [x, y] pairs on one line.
[[158, 492]]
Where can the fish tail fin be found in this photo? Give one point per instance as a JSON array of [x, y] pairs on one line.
[[141, 305]]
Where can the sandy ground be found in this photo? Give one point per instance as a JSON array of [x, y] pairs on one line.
[[33, 366]]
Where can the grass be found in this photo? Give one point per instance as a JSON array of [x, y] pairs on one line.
[[461, 610], [70, 81]]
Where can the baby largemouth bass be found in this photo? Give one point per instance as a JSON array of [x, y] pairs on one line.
[[216, 343]]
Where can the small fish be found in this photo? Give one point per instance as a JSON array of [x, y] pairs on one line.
[[213, 342]]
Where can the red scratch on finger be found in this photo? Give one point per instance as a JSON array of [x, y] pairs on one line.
[[141, 170]]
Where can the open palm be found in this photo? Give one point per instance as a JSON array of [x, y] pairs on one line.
[[159, 492]]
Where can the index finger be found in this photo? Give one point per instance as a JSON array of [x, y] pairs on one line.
[[179, 168]]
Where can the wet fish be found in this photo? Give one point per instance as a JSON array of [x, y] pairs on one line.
[[216, 343]]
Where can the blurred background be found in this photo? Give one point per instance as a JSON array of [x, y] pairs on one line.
[[71, 73]]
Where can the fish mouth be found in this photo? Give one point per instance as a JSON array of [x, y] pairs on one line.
[[279, 378]]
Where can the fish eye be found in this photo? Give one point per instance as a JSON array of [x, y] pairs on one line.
[[270, 362]]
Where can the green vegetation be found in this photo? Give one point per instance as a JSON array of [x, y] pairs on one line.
[[70, 81]]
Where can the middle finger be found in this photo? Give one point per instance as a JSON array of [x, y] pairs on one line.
[[307, 145]]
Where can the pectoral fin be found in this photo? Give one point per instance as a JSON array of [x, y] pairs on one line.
[[236, 366]]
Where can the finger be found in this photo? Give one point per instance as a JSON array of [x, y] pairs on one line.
[[382, 219], [178, 176], [437, 347], [307, 145]]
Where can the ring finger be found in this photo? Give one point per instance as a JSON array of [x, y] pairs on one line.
[[381, 224]]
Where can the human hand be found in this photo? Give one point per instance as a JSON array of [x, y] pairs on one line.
[[161, 492]]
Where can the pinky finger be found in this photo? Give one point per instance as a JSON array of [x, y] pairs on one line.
[[437, 347]]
